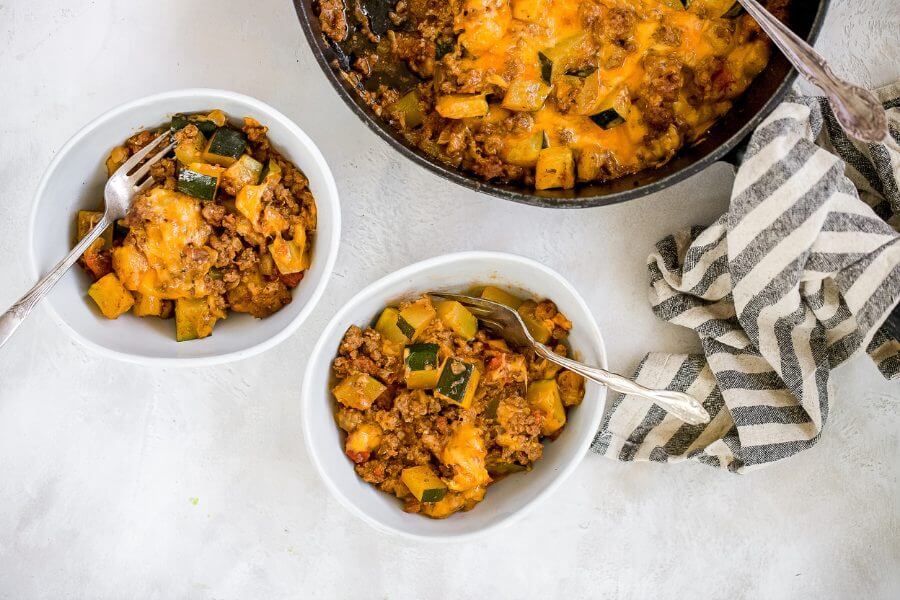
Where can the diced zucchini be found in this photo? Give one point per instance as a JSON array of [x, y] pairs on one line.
[[271, 173], [413, 319], [571, 387], [592, 160], [120, 229], [555, 169], [420, 357], [387, 326], [420, 363], [225, 146], [582, 72], [613, 110], [358, 391], [528, 10], [423, 483], [458, 382], [502, 467], [536, 327], [204, 123], [248, 202], [116, 159], [495, 294], [592, 95], [362, 442], [199, 180], [564, 54], [193, 319], [608, 118], [525, 95], [190, 149], [289, 255], [245, 171], [111, 296], [544, 395], [546, 68], [85, 222], [461, 106], [146, 305], [457, 317], [524, 152], [408, 111]]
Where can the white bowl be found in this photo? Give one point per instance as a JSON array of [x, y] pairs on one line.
[[506, 499], [75, 179]]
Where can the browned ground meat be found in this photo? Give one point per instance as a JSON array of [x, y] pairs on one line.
[[661, 63], [218, 253], [403, 427]]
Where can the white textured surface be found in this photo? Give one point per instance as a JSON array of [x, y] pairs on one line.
[[99, 460]]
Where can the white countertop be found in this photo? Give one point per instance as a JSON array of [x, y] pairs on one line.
[[118, 481]]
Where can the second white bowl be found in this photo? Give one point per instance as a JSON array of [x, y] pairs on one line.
[[506, 499], [75, 179]]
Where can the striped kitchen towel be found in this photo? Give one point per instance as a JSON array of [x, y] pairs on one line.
[[794, 279]]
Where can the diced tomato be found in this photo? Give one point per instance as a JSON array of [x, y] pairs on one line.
[[292, 280]]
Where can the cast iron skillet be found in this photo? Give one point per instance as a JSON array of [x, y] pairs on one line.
[[766, 91]]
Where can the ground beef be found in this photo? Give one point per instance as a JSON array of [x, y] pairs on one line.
[[420, 428]]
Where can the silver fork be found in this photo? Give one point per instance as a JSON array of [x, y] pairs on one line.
[[509, 325], [857, 110], [129, 180]]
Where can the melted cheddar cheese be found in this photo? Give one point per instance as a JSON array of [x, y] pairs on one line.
[[167, 256]]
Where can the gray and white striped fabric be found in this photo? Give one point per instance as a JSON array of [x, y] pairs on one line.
[[794, 279]]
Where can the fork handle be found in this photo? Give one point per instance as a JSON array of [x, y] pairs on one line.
[[18, 312], [685, 407]]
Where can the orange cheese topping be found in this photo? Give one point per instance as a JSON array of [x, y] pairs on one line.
[[504, 39], [167, 257]]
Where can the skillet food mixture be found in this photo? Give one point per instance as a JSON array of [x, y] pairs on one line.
[[436, 408], [544, 92], [226, 226]]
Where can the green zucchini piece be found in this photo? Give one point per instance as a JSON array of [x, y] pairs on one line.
[[420, 362], [413, 319], [120, 229], [421, 357], [524, 152], [193, 181], [582, 72], [193, 319], [458, 382], [443, 47], [180, 121], [546, 67], [358, 391], [502, 467], [271, 172], [608, 118], [85, 222], [614, 110], [408, 111], [423, 483], [457, 317], [225, 146], [544, 395], [501, 297], [536, 327], [387, 326], [245, 171]]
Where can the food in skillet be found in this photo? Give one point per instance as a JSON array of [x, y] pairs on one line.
[[226, 227], [436, 408], [547, 92]]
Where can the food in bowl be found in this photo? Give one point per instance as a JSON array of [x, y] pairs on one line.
[[227, 226], [436, 408], [548, 92]]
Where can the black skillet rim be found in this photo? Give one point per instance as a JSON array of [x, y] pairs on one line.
[[382, 129]]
